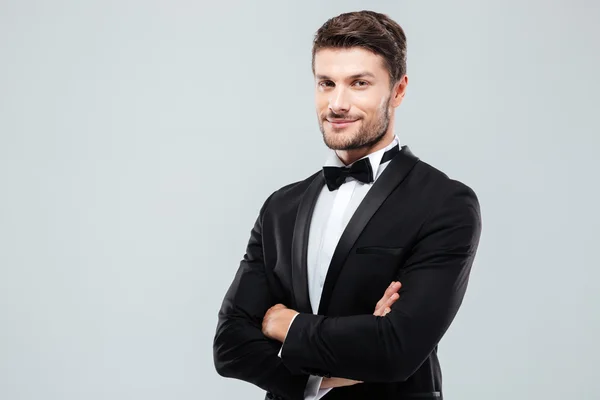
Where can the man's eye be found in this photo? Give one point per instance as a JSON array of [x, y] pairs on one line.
[[326, 83], [361, 83]]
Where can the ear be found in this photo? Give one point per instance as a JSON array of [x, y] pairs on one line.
[[399, 91]]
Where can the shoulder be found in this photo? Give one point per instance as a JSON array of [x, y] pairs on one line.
[[443, 196], [288, 195], [295, 188], [437, 183], [453, 206]]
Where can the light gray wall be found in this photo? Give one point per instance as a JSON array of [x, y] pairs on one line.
[[139, 138]]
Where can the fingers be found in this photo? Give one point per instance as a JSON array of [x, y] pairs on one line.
[[276, 307], [393, 288], [389, 297], [383, 311], [391, 300], [271, 311]]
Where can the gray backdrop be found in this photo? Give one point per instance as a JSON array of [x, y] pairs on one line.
[[138, 140]]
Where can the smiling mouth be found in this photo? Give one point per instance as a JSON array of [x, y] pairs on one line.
[[341, 123]]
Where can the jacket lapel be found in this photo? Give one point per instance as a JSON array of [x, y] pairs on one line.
[[300, 244], [391, 177]]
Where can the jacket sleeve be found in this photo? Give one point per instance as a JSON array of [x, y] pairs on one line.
[[240, 350], [391, 348]]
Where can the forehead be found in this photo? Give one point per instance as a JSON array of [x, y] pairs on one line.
[[340, 63]]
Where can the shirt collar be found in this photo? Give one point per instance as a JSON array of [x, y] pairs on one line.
[[375, 158]]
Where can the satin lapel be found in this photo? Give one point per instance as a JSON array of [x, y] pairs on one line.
[[300, 244], [391, 177]]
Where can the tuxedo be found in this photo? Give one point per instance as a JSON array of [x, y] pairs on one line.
[[331, 214], [414, 225]]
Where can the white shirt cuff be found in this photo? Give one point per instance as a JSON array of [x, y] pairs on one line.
[[312, 390], [289, 326]]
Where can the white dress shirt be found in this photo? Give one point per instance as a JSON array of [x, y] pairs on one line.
[[331, 214]]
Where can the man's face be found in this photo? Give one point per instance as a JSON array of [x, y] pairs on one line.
[[352, 96]]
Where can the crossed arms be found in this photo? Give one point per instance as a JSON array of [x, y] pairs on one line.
[[362, 347]]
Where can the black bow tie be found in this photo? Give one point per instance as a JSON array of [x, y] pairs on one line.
[[361, 170]]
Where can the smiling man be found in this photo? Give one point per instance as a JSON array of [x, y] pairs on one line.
[[352, 276]]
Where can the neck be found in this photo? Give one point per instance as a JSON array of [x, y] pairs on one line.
[[350, 156]]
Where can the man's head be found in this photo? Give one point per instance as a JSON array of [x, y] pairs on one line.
[[359, 64]]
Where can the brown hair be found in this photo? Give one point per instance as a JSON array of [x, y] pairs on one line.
[[370, 30]]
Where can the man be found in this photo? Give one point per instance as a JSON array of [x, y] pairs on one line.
[[352, 276]]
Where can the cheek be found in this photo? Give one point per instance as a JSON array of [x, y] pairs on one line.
[[365, 105], [371, 102], [375, 111], [321, 103]]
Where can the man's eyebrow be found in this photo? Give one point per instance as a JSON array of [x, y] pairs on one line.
[[355, 76], [362, 75]]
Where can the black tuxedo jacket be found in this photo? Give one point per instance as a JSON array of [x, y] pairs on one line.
[[415, 225]]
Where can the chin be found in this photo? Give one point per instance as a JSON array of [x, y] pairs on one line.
[[339, 140]]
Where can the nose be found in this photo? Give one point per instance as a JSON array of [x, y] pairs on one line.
[[338, 102]]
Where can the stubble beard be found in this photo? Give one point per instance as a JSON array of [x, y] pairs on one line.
[[367, 135]]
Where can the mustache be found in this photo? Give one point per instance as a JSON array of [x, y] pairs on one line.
[[333, 115]]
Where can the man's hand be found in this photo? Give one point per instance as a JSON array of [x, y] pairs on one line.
[[276, 322], [389, 297], [381, 309]]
